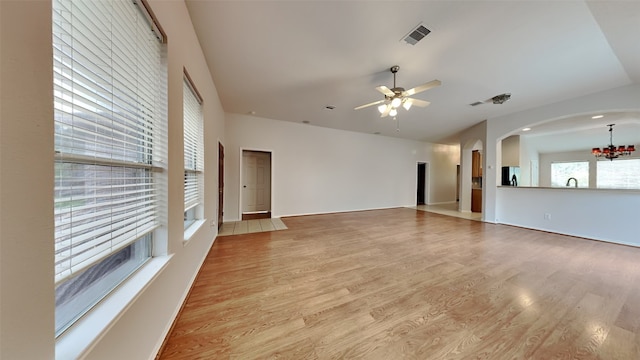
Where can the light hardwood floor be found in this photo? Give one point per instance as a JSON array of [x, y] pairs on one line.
[[407, 284]]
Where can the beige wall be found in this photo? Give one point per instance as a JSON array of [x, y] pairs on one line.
[[26, 181], [511, 151]]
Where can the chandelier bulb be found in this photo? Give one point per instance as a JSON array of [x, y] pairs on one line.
[[393, 112], [396, 102]]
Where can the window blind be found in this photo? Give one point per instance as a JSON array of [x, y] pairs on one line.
[[193, 147], [109, 108]]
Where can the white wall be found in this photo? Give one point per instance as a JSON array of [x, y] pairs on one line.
[[572, 211], [471, 139], [321, 170], [529, 164], [26, 188]]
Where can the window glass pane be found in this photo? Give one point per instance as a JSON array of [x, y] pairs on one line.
[[563, 174], [78, 294], [189, 217], [619, 174]]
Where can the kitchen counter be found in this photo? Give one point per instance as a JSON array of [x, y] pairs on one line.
[[569, 188]]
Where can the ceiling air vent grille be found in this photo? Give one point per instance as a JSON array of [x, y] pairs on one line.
[[477, 103], [416, 35]]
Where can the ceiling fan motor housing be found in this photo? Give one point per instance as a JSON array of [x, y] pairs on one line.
[[397, 91]]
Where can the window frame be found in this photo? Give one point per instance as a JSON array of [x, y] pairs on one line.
[[581, 183], [600, 177], [193, 146], [150, 162]]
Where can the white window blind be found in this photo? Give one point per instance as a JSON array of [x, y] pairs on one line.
[[193, 147], [110, 104]]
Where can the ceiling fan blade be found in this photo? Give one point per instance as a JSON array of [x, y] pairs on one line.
[[369, 104], [385, 90], [386, 111], [418, 102], [421, 88]]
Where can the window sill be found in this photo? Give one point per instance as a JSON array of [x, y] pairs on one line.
[[81, 336], [192, 229]]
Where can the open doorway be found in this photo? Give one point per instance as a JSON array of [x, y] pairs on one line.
[[220, 184], [256, 185], [423, 184]]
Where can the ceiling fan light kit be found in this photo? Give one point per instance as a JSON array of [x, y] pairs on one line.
[[398, 96]]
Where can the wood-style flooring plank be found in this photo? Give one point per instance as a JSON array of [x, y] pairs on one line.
[[407, 284]]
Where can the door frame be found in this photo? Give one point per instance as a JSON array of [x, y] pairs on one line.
[[240, 203], [427, 179]]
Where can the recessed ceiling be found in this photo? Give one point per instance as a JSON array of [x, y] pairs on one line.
[[582, 133], [287, 60]]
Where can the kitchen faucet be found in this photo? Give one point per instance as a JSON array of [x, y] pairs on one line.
[[569, 181]]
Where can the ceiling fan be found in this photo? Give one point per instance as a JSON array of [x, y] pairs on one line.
[[397, 96]]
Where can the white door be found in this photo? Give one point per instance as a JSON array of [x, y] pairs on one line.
[[256, 186]]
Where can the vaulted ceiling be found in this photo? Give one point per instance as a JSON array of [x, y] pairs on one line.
[[289, 60]]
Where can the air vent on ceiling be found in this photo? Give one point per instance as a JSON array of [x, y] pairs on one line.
[[477, 103], [416, 35]]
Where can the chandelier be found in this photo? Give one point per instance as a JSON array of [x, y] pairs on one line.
[[612, 152]]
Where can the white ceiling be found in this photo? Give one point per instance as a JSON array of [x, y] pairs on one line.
[[582, 133], [287, 60]]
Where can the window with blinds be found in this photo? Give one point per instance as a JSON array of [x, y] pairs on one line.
[[110, 111], [193, 153]]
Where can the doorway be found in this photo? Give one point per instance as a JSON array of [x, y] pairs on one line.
[[423, 184], [220, 184], [256, 185]]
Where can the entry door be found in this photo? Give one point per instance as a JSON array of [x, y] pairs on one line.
[[220, 183], [256, 187]]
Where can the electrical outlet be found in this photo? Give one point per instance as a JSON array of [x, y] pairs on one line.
[[547, 216]]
